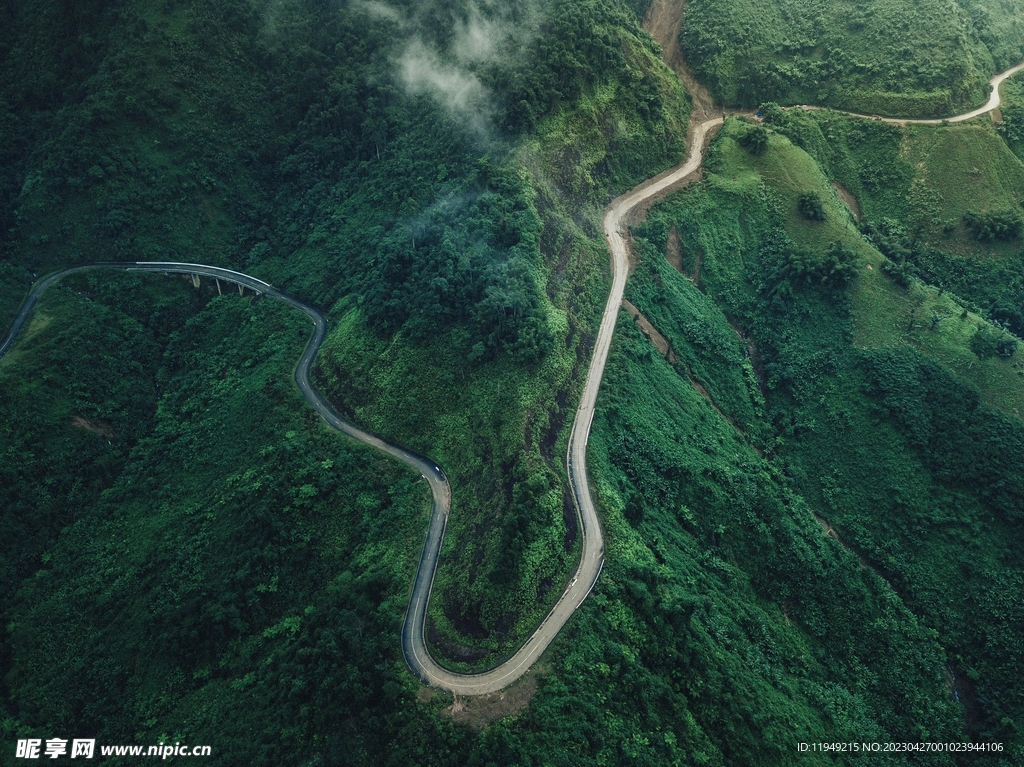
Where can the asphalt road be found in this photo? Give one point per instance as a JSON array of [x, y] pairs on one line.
[[412, 633], [413, 644], [592, 557]]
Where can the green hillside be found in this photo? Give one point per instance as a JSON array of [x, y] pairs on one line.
[[184, 138], [205, 566], [808, 448], [890, 424], [929, 58]]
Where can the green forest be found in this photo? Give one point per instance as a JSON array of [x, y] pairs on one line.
[[928, 58], [808, 451]]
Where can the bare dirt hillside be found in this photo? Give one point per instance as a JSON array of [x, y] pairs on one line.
[[662, 23]]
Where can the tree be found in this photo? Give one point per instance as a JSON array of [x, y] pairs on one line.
[[810, 207], [995, 225], [836, 268], [755, 139]]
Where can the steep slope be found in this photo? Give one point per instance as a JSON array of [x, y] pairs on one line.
[[237, 576], [887, 423], [890, 57]]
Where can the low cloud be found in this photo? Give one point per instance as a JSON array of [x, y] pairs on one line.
[[377, 10], [484, 35], [476, 38], [458, 90]]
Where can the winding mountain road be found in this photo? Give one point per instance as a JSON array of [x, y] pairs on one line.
[[592, 557], [413, 643], [994, 101]]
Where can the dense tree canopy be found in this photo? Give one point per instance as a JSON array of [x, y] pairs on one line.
[[809, 482]]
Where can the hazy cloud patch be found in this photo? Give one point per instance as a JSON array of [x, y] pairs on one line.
[[377, 10], [458, 90], [483, 35]]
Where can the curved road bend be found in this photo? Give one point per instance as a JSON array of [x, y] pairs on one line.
[[421, 663], [615, 216], [993, 103], [413, 644], [592, 558]]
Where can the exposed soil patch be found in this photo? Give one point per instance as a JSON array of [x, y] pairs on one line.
[[102, 428], [660, 342], [569, 518], [848, 199], [631, 256], [478, 711], [674, 250], [452, 649], [698, 258], [756, 361], [662, 22], [662, 345], [829, 530]]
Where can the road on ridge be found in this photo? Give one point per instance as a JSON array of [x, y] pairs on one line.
[[614, 222], [592, 556], [994, 101]]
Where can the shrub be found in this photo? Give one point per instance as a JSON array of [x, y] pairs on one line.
[[836, 268], [810, 207], [898, 273], [988, 342], [996, 225], [754, 140]]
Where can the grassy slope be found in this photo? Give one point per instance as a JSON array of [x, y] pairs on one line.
[[620, 150], [922, 182], [881, 57], [1011, 126], [718, 520], [884, 314], [721, 629], [695, 646], [476, 424], [961, 169], [160, 148], [910, 504]]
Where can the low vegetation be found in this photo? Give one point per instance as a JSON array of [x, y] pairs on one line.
[[885, 424], [929, 58], [811, 498]]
